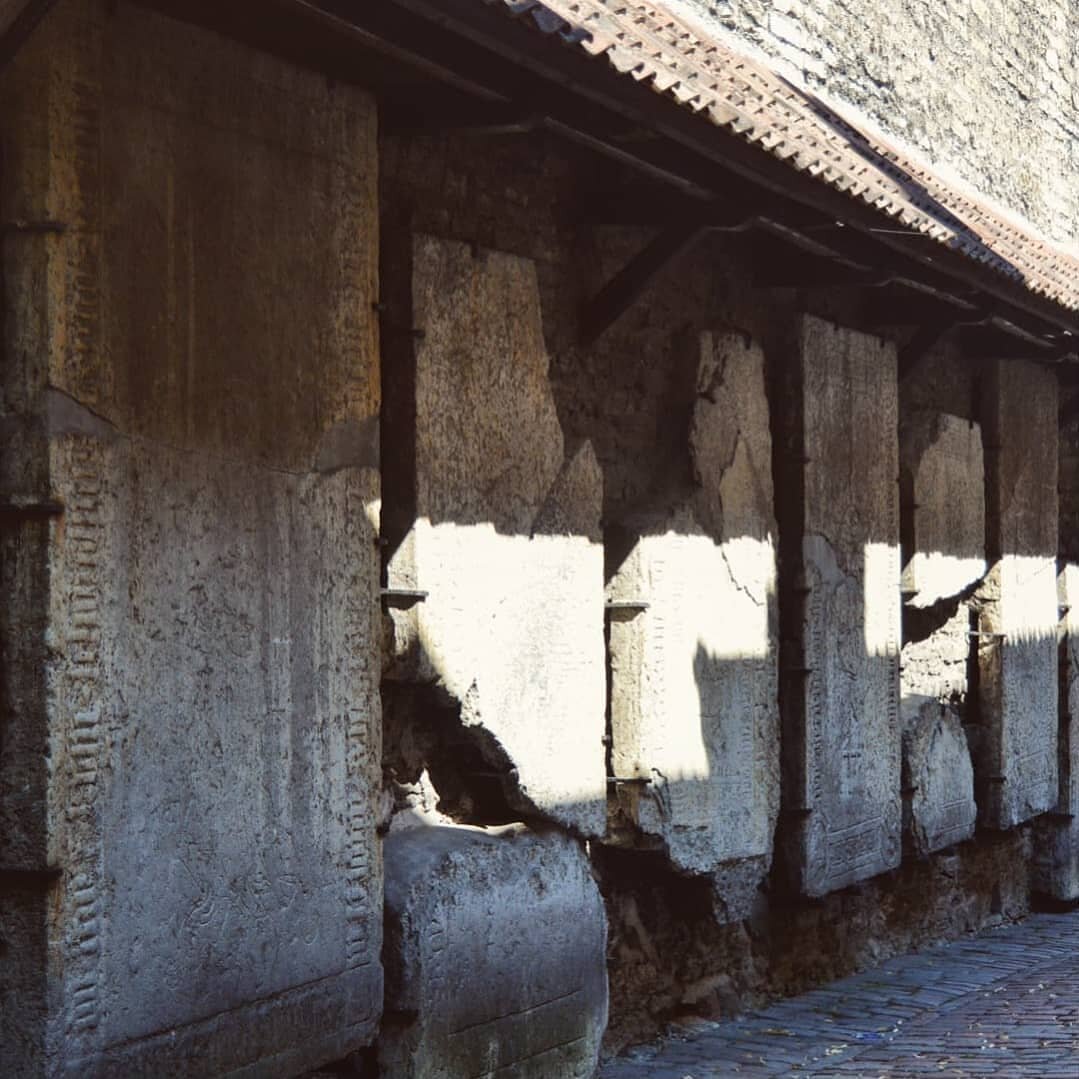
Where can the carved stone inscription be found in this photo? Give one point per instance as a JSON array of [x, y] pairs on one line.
[[486, 992], [851, 746], [213, 698], [1016, 766], [693, 672]]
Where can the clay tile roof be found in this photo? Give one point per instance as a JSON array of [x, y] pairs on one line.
[[730, 90]]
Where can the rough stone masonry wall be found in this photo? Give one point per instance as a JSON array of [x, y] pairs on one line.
[[989, 88], [636, 395], [190, 724]]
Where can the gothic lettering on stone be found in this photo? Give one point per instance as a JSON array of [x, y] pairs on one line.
[[851, 629]]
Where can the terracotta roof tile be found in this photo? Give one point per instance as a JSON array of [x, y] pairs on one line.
[[737, 93]]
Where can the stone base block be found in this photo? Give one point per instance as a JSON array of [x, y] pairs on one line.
[[1056, 865], [496, 955]]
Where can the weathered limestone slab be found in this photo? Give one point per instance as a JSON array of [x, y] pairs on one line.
[[496, 956], [941, 460], [1056, 867], [938, 779], [502, 531], [206, 417], [694, 706], [843, 734], [942, 485], [1016, 765]]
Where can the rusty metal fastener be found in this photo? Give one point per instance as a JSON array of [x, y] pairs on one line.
[[45, 225]]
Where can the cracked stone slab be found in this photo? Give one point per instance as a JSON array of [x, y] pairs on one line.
[[843, 731], [693, 671], [1056, 865], [495, 956], [503, 534], [210, 704], [1016, 767], [942, 467]]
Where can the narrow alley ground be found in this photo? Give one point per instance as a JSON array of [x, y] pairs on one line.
[[1003, 1003]]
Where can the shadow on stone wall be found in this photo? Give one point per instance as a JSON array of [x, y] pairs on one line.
[[507, 529]]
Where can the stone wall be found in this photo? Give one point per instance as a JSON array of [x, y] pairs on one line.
[[954, 80], [737, 479], [699, 923], [191, 727]]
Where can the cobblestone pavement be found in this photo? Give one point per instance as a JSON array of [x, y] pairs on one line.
[[1003, 1004]]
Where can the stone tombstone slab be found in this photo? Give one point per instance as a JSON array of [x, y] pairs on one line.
[[495, 956], [1016, 765], [504, 536], [844, 733], [938, 780], [942, 462], [1056, 866], [694, 691], [212, 697], [942, 485]]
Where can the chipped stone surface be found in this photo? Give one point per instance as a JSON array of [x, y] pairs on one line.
[[941, 460], [935, 667], [938, 779], [1016, 763], [504, 535], [496, 956], [843, 728], [212, 706], [1056, 867], [693, 675]]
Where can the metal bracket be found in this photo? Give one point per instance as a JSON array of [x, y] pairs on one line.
[[17, 509], [402, 598]]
